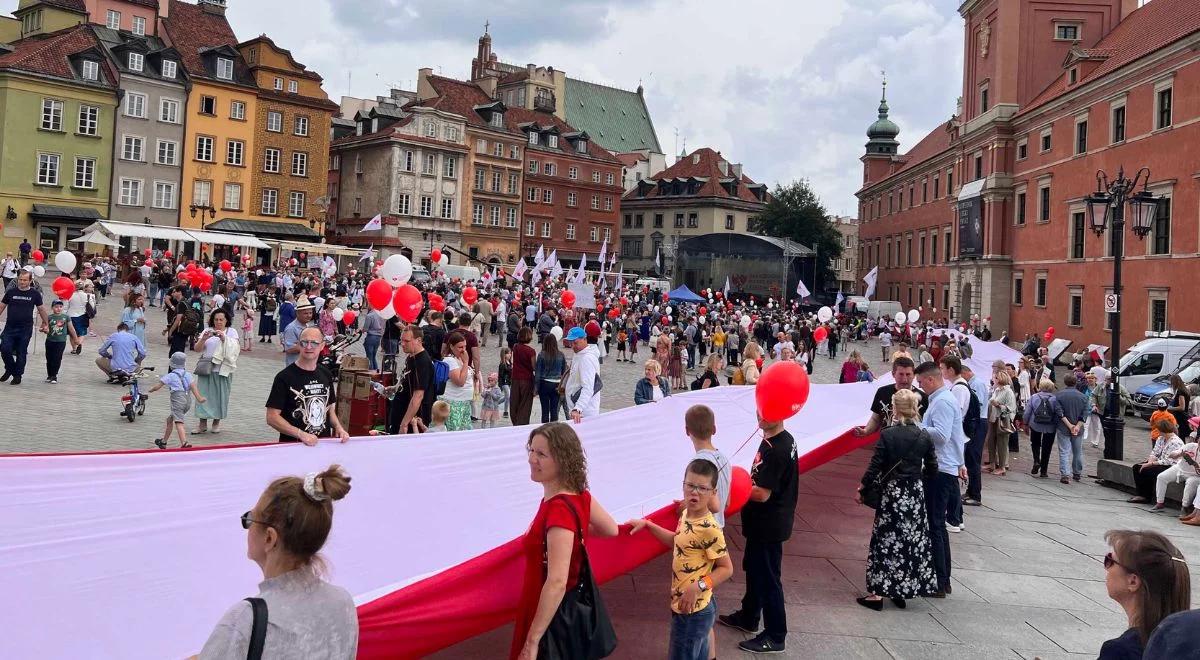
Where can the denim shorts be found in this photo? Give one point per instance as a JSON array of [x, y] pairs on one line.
[[689, 633]]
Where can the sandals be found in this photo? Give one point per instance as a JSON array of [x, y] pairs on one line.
[[199, 431], [160, 443], [185, 445]]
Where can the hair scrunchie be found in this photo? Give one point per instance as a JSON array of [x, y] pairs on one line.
[[311, 490]]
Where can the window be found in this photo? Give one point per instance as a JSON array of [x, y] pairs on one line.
[[275, 121], [89, 119], [85, 172], [1044, 204], [426, 206], [946, 242], [270, 201], [168, 111], [608, 203], [91, 70], [1018, 289], [1039, 296], [514, 152], [581, 146], [608, 178], [481, 146], [950, 181], [545, 225], [451, 134], [572, 172], [1081, 130], [403, 205], [132, 147], [1163, 110], [513, 184], [595, 177], [497, 180], [1023, 149], [933, 252], [510, 219], [136, 61], [293, 87], [1118, 124], [550, 169], [570, 231], [224, 68], [208, 105], [233, 197], [533, 137], [139, 28], [595, 202], [169, 68], [658, 220], [479, 178], [679, 221], [497, 120], [47, 174], [552, 141], [1066, 31], [638, 221], [31, 22], [1073, 75], [495, 216], [548, 196], [408, 162], [533, 195], [271, 159], [1021, 208], [135, 105], [296, 204], [278, 84], [301, 126], [164, 195], [533, 166], [593, 234], [477, 214], [1075, 309], [448, 166], [237, 110], [235, 152], [729, 222], [628, 221], [1046, 140], [1161, 229], [498, 150], [430, 129], [983, 99], [921, 255], [572, 199], [693, 218], [131, 192], [925, 191], [202, 193], [447, 207], [357, 206], [1078, 232], [1158, 315], [529, 228], [430, 165], [978, 173], [299, 163], [113, 20]]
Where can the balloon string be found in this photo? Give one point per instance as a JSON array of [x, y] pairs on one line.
[[747, 441]]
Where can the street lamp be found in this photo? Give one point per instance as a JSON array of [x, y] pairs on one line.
[[203, 209], [1108, 202]]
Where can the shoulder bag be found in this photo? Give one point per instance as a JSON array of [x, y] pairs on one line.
[[872, 493], [258, 634], [580, 629]]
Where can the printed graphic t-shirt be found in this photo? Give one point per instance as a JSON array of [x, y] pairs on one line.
[[303, 399], [699, 543]]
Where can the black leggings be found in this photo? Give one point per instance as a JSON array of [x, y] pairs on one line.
[[1043, 444]]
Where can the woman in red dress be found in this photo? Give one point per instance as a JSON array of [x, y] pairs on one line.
[[551, 549]]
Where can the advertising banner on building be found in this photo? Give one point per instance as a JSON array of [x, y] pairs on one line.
[[970, 221]]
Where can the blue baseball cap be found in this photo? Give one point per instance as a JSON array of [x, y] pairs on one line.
[[576, 333]]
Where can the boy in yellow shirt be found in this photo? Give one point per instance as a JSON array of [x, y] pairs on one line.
[[700, 561]]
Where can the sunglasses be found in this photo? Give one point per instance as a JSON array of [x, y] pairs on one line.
[[310, 343], [247, 521], [1110, 561]]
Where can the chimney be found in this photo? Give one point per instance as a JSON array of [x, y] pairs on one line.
[[723, 165], [695, 159], [737, 171], [164, 8], [216, 7]]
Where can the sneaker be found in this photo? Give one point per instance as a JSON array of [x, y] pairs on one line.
[[1096, 444], [16, 380], [762, 644], [5, 377], [734, 621], [971, 501], [1034, 471], [953, 528], [53, 381], [1064, 480]]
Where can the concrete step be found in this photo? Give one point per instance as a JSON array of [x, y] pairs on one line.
[[1119, 475]]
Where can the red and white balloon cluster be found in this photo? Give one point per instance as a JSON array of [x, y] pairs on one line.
[[391, 294]]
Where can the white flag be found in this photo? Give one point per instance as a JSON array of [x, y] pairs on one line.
[[375, 224], [540, 257], [657, 261], [603, 251], [620, 283], [552, 260], [840, 300], [802, 290], [570, 273], [870, 280], [583, 263], [726, 286], [537, 276], [368, 254], [556, 270], [519, 269]]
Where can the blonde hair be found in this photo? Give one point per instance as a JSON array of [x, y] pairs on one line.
[[653, 364], [752, 351], [1046, 385], [906, 406], [440, 412], [714, 362], [1002, 378]]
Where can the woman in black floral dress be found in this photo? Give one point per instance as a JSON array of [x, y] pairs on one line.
[[900, 559]]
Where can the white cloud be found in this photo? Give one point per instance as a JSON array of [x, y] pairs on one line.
[[787, 88]]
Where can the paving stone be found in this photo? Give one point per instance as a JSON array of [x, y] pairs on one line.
[[905, 650], [1030, 590]]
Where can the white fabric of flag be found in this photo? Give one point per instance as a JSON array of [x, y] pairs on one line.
[[620, 283], [552, 261], [870, 280], [556, 270], [537, 276], [519, 269], [368, 254], [802, 290], [840, 300], [603, 251], [657, 260], [726, 286], [540, 257], [570, 273], [375, 223]]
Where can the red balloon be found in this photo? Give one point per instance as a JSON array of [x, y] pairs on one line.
[[191, 267], [567, 299], [38, 256], [758, 363], [665, 320], [147, 252], [470, 295], [225, 265], [782, 391], [703, 311], [167, 254], [666, 296], [348, 317], [600, 308], [379, 292], [820, 334], [624, 301], [293, 261], [204, 286], [739, 490], [435, 256], [436, 302], [63, 287], [407, 302], [149, 263], [718, 295], [613, 313], [185, 277]]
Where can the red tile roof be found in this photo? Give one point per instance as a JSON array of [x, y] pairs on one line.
[[49, 54], [1154, 26], [190, 29], [707, 167], [630, 160], [937, 141], [69, 5], [153, 4]]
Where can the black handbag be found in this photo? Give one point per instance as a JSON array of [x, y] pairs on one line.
[[872, 492], [581, 628]]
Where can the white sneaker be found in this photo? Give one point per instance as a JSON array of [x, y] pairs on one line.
[[1096, 445], [953, 528]]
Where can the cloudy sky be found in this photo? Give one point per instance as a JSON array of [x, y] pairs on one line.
[[786, 87]]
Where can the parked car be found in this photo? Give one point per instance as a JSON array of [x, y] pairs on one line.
[[420, 274], [1146, 397], [1159, 354]]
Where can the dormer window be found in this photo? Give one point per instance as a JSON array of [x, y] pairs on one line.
[[224, 68], [552, 141], [533, 137], [1073, 75], [169, 68], [91, 70], [136, 61], [581, 146], [497, 120]]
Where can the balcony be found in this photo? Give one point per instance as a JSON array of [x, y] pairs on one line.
[[544, 101]]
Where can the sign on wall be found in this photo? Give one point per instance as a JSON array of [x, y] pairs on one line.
[[970, 221]]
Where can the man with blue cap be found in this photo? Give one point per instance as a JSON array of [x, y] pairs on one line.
[[583, 383]]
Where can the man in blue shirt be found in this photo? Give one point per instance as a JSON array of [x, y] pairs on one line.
[[122, 352], [943, 421]]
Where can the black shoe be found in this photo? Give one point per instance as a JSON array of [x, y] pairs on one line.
[[936, 594], [734, 621], [5, 377], [16, 380], [1042, 474], [1077, 477], [160, 443], [876, 605], [949, 589], [1034, 471], [762, 644], [971, 501], [899, 602]]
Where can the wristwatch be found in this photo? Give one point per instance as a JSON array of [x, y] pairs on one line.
[[703, 584]]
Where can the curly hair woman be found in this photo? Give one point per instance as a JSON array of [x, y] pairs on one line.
[[557, 462]]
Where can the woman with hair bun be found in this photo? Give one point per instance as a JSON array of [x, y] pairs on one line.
[[306, 616]]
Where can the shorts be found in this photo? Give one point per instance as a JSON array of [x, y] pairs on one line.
[[181, 403]]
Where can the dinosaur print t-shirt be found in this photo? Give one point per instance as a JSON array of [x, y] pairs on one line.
[[699, 543]]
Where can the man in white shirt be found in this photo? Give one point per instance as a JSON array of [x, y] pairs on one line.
[[583, 382], [885, 343], [8, 270]]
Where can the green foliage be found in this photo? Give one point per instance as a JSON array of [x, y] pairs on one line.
[[795, 212]]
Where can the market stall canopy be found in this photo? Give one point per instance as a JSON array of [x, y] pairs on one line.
[[318, 248], [138, 231], [97, 238], [222, 238], [684, 294]]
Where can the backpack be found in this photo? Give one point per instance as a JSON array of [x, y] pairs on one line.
[[972, 414], [739, 377], [190, 322], [1043, 414], [441, 374]]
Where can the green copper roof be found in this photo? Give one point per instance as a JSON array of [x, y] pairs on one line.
[[614, 118]]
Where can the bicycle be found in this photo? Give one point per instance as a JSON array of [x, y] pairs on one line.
[[133, 404]]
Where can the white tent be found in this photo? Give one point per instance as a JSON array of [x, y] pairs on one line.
[[95, 237]]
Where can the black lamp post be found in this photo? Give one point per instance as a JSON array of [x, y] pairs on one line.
[[1110, 199], [204, 210]]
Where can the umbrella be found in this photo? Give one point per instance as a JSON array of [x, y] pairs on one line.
[[95, 237]]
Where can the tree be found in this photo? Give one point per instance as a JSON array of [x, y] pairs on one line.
[[795, 212]]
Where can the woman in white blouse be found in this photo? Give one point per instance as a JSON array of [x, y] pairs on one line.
[[460, 387]]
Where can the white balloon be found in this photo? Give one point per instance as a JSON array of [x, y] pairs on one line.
[[39, 271], [556, 330], [65, 261], [914, 315], [670, 318], [745, 319], [396, 270], [670, 310], [901, 317], [824, 314], [445, 259], [338, 313], [258, 272], [387, 312]]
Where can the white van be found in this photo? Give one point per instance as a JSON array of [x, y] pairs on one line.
[[885, 309], [655, 284], [464, 273], [1159, 354], [858, 304]]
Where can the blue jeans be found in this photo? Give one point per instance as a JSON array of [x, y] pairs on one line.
[[548, 395], [940, 494], [1070, 453], [14, 346], [689, 633], [371, 346]]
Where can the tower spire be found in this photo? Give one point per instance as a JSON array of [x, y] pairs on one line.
[[883, 132]]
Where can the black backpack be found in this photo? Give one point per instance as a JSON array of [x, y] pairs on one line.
[[1043, 414], [972, 414]]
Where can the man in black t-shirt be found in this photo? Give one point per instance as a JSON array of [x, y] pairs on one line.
[[301, 403], [766, 523], [21, 301], [903, 372], [415, 391]]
